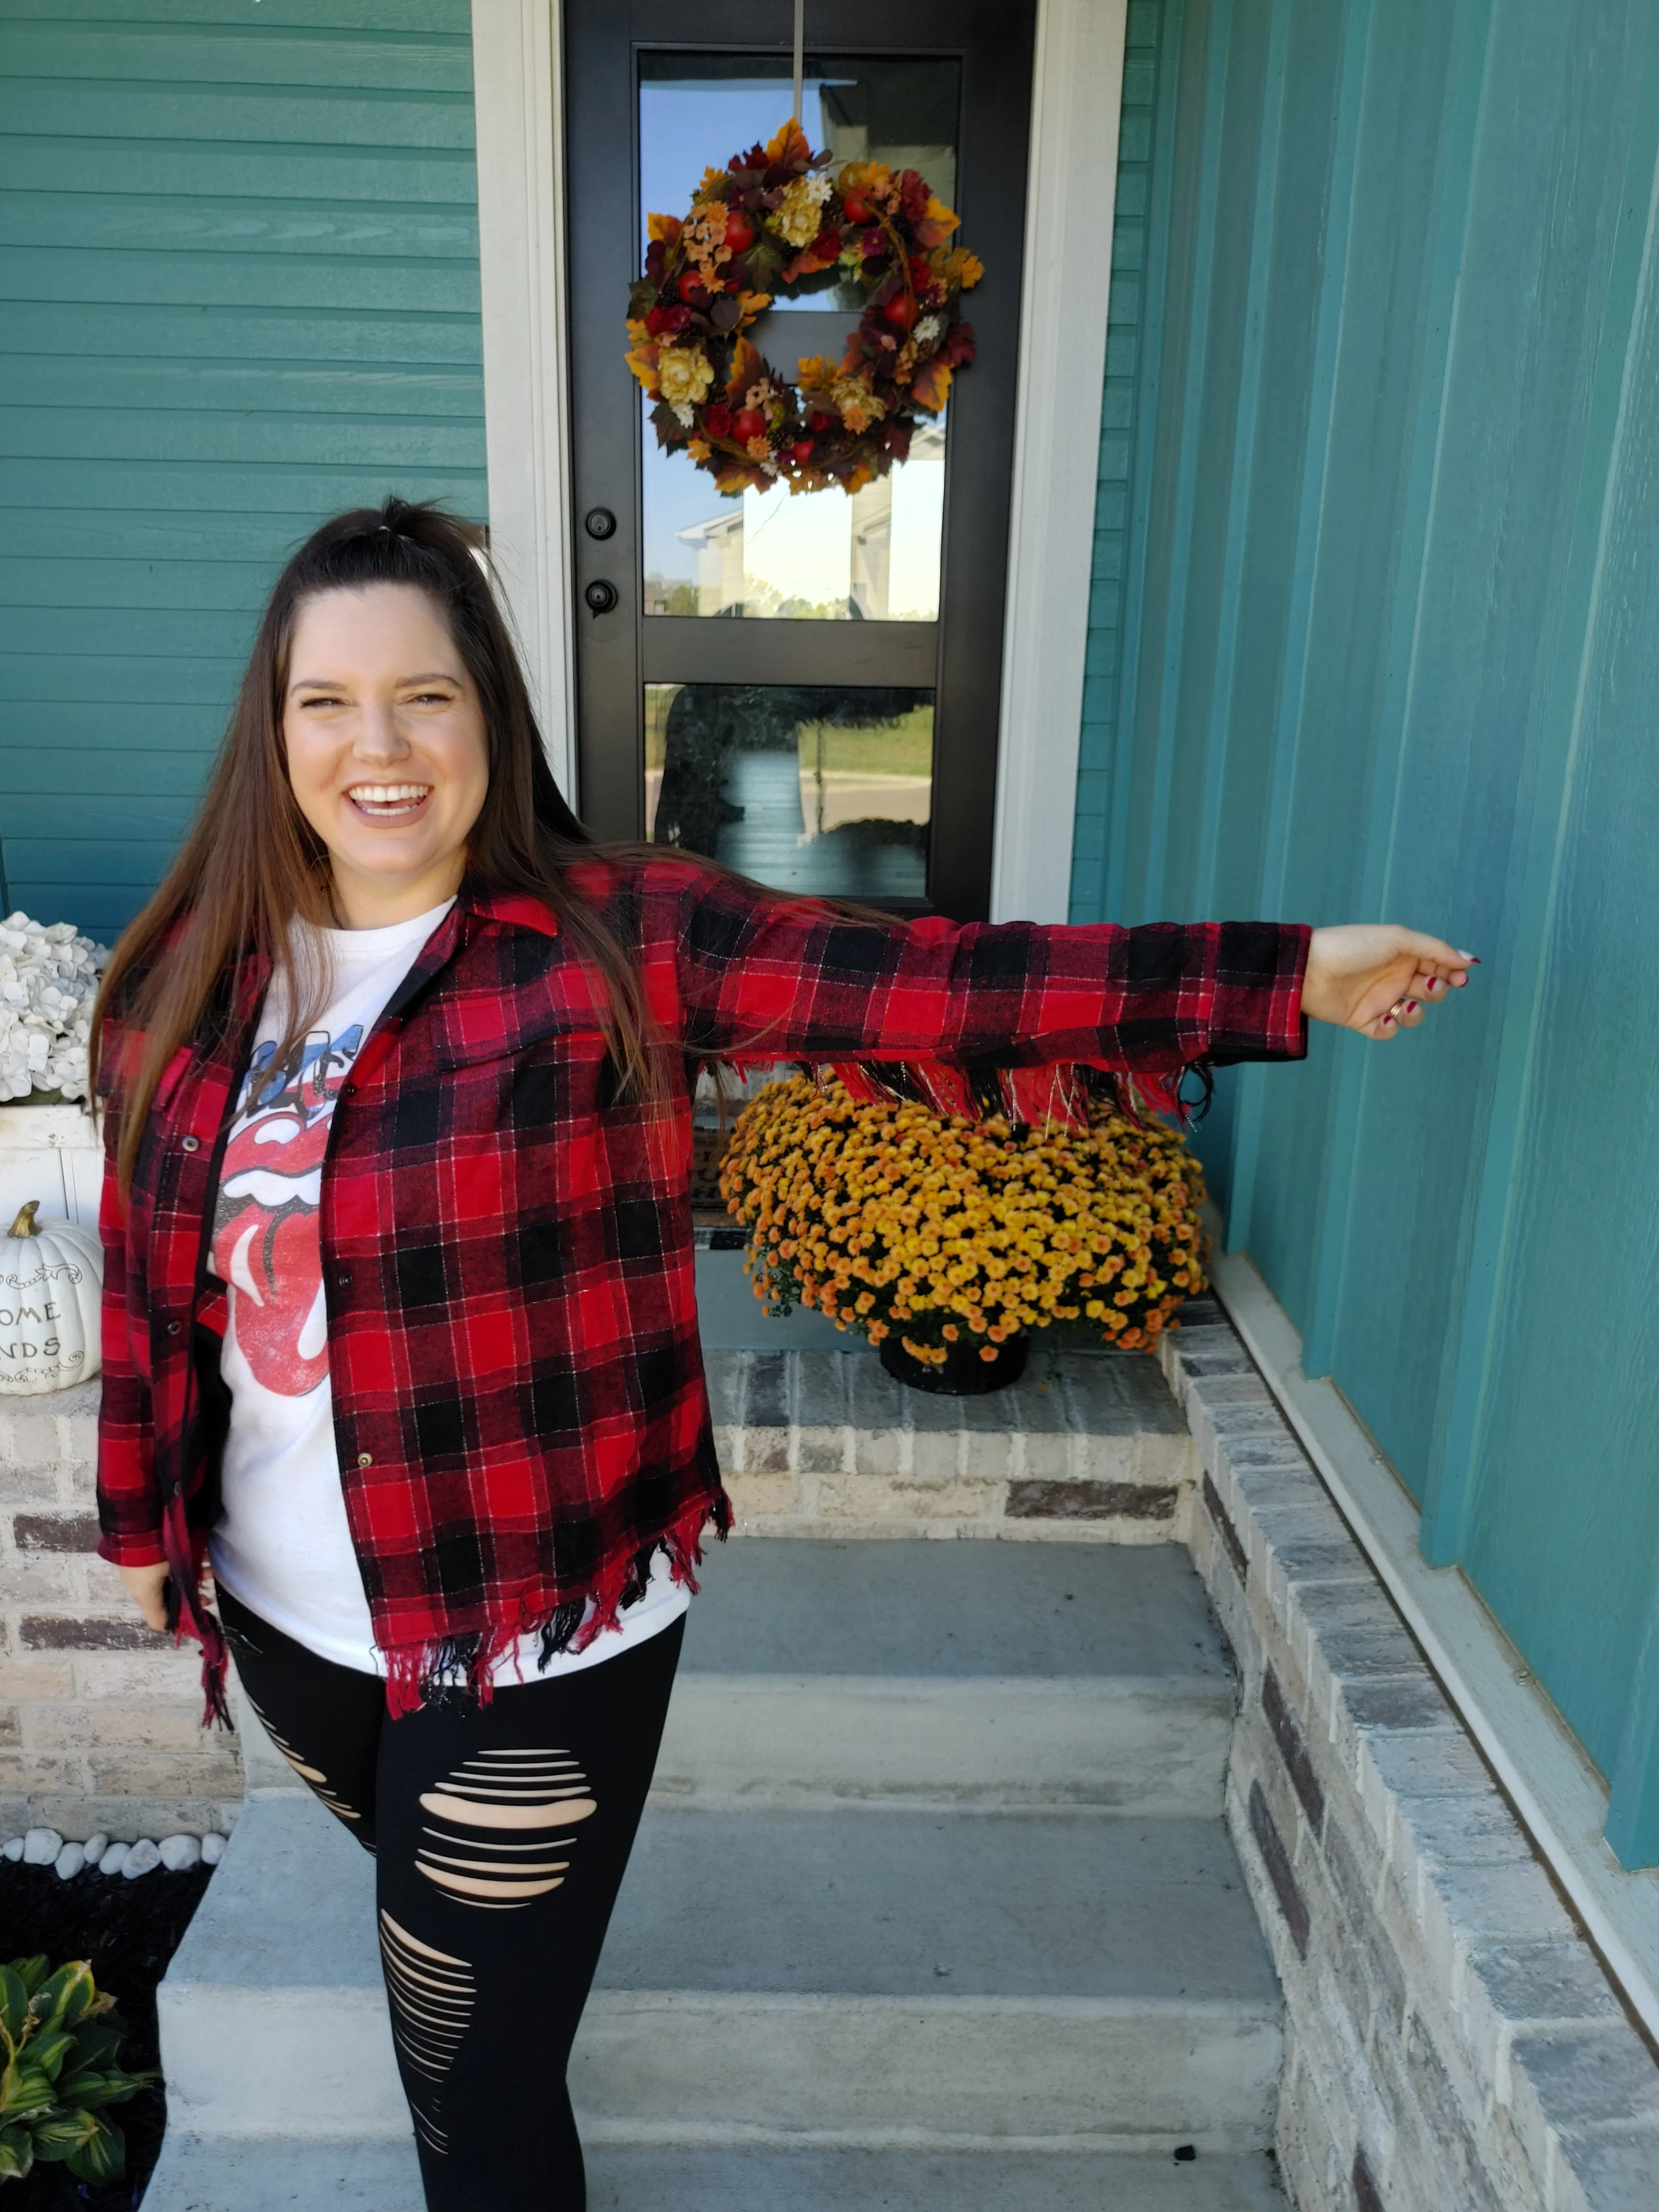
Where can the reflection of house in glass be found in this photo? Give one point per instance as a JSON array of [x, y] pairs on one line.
[[872, 558], [813, 789]]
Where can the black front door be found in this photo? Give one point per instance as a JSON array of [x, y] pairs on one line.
[[806, 688]]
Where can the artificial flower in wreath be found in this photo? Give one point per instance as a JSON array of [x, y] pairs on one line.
[[774, 220]]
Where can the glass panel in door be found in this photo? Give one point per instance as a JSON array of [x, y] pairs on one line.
[[875, 557], [822, 790]]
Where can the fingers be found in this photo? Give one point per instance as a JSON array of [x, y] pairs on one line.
[[147, 1587], [1404, 1014], [1433, 956], [1441, 969]]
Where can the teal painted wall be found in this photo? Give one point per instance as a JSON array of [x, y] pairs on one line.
[[1134, 322], [1390, 608], [238, 289]]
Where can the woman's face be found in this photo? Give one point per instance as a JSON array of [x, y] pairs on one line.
[[386, 750]]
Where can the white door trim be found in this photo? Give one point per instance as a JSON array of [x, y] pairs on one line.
[[519, 109], [1077, 95]]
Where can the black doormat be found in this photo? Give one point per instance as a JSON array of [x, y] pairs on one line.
[[127, 1930]]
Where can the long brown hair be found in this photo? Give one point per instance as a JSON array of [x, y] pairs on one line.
[[252, 864]]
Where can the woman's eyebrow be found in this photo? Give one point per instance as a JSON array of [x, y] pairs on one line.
[[334, 683]]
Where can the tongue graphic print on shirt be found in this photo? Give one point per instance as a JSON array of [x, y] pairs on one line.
[[265, 1240]]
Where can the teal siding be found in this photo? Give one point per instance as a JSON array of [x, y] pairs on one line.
[[1395, 653], [1133, 322], [238, 289]]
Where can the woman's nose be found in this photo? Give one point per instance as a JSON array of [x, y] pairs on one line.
[[378, 737]]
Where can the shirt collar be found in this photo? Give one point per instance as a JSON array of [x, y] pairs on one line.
[[513, 909]]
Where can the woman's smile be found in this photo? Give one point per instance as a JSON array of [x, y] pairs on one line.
[[389, 802]]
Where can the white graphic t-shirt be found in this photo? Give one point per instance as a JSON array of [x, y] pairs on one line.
[[282, 1544]]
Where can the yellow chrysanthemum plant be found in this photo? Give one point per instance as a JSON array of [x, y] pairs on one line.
[[950, 1240], [775, 222]]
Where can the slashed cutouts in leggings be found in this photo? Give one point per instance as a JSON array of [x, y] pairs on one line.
[[314, 1776], [497, 1823], [432, 1995]]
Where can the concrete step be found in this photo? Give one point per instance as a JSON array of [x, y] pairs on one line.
[[1031, 1975], [985, 1676], [992, 1945], [1061, 1978], [270, 2174]]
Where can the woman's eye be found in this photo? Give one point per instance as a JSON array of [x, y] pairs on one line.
[[431, 699], [324, 699]]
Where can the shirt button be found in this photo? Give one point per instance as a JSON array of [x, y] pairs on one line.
[[365, 1459], [189, 1144], [173, 1327], [344, 1281]]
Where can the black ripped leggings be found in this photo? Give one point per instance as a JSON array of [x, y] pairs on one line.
[[500, 1834]]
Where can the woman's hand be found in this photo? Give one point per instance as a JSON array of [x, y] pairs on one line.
[[144, 1587], [1376, 978]]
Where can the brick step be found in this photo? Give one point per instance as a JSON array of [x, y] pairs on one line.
[[270, 2174], [817, 1440]]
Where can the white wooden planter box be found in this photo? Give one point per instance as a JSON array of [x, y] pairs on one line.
[[54, 1154]]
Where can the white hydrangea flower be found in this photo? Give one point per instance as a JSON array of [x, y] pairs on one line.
[[48, 980]]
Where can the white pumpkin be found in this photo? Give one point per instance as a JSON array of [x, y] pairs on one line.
[[51, 1276]]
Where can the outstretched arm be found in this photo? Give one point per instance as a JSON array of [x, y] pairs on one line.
[[786, 980], [783, 978]]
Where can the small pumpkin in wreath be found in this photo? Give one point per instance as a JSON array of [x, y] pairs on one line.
[[774, 221]]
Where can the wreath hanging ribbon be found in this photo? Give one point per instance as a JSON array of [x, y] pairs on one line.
[[774, 222]]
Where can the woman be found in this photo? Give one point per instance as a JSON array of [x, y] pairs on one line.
[[400, 1333]]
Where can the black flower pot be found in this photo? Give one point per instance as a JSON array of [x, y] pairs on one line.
[[965, 1374]]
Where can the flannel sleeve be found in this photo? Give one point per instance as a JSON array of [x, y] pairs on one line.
[[783, 979], [129, 1495]]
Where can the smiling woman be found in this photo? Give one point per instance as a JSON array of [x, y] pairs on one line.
[[400, 1328]]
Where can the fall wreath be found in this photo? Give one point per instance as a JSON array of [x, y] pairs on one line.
[[774, 220]]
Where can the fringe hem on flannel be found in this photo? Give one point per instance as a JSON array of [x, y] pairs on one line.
[[1060, 1094], [418, 1673]]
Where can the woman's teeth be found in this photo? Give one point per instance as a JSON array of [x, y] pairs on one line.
[[384, 802]]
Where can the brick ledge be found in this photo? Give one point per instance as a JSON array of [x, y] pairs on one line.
[[825, 1444], [1452, 2036]]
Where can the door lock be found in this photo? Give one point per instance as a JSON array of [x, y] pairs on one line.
[[601, 596], [599, 522]]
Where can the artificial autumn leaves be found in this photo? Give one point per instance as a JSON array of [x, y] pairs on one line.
[[774, 220]]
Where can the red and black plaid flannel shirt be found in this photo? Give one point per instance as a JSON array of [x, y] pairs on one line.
[[507, 1260]]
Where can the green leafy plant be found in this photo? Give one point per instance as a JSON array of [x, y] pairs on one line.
[[59, 2037]]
